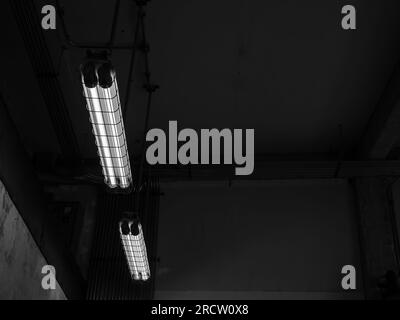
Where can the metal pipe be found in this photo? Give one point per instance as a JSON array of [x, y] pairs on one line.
[[114, 23], [150, 89], [141, 167], [146, 50], [132, 63]]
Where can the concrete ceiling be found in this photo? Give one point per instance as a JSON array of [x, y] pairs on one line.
[[284, 68]]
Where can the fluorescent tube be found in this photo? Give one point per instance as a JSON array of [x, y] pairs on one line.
[[101, 92], [135, 249]]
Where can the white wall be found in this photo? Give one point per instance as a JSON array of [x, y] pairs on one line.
[[260, 240]]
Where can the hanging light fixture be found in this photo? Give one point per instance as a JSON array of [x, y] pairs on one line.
[[135, 248], [102, 97]]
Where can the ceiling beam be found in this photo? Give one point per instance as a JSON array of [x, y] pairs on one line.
[[383, 130], [264, 169]]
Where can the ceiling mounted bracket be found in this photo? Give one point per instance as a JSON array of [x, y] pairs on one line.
[[151, 87], [141, 3], [97, 55]]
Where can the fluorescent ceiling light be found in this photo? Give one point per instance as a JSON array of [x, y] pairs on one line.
[[101, 92], [135, 249]]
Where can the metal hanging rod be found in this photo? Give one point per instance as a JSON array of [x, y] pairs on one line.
[[150, 88], [132, 62]]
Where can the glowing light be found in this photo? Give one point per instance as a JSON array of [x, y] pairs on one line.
[[135, 249], [104, 108]]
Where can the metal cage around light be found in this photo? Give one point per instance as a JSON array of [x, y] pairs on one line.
[[100, 90], [132, 238]]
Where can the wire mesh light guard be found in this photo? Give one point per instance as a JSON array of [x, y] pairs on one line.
[[135, 249], [100, 90]]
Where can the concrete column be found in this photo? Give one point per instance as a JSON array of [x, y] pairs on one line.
[[18, 175]]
